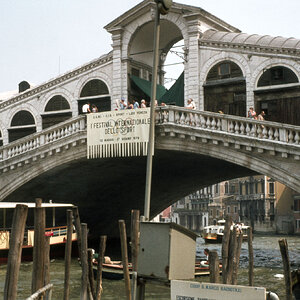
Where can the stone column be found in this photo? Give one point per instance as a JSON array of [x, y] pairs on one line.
[[192, 70], [117, 66]]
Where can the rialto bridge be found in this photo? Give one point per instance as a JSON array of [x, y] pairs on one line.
[[192, 150], [43, 134]]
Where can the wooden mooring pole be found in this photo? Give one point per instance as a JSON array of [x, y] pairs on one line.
[[135, 233], [77, 228], [123, 238], [47, 267], [38, 248], [251, 260], [102, 247], [68, 253], [225, 247], [15, 252], [214, 268], [286, 268]]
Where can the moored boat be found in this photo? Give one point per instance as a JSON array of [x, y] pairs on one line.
[[214, 233], [114, 270], [58, 234]]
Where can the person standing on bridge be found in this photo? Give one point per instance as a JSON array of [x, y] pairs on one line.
[[191, 104], [252, 113], [86, 108], [261, 116]]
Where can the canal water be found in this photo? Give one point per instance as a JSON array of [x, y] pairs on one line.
[[267, 272]]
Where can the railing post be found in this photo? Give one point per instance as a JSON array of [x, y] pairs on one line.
[[82, 123], [4, 154], [171, 116], [42, 139], [224, 126], [282, 135]]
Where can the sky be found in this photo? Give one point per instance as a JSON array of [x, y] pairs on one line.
[[41, 39]]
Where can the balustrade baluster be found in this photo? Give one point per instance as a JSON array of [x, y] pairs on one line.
[[182, 119], [66, 131], [58, 135], [231, 127], [9, 153], [253, 130], [265, 133], [202, 122], [297, 137], [219, 124], [208, 122], [236, 128], [73, 127], [276, 134], [54, 135], [213, 124], [259, 131], [242, 128], [248, 129], [70, 129], [291, 137], [165, 116]]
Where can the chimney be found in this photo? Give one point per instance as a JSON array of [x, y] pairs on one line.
[[23, 86]]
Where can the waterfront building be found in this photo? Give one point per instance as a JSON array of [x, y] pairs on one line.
[[265, 204], [192, 210]]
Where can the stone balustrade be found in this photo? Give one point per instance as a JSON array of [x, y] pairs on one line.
[[44, 137], [206, 121], [215, 122]]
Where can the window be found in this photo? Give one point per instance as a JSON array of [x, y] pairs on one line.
[[297, 224], [228, 209], [135, 72], [235, 209], [224, 69], [217, 188], [57, 103], [271, 188], [22, 124], [226, 188], [297, 205], [57, 110], [96, 93], [241, 188], [277, 75]]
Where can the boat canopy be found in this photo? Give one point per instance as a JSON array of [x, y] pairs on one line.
[[32, 204]]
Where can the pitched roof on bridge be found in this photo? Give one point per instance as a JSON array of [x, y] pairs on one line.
[[180, 8], [251, 39]]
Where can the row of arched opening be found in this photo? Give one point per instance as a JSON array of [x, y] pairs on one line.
[[58, 109], [224, 90], [277, 92]]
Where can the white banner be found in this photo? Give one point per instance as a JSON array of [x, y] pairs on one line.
[[193, 290], [118, 133]]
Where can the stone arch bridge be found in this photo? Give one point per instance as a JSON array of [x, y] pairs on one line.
[[193, 149]]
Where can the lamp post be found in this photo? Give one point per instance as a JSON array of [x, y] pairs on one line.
[[162, 7]]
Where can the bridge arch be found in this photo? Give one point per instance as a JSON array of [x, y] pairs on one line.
[[252, 161], [64, 92], [84, 81], [137, 45], [242, 63], [283, 99], [274, 62]]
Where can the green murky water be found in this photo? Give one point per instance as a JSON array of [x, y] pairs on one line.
[[267, 262]]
